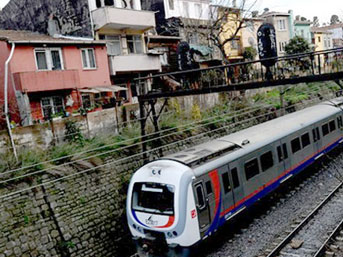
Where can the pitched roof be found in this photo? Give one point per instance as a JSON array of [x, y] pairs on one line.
[[320, 30], [28, 37], [268, 14], [334, 26]]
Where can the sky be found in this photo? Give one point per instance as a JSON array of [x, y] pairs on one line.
[[306, 8]]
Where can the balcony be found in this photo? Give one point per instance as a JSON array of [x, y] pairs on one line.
[[112, 18], [134, 62], [36, 81]]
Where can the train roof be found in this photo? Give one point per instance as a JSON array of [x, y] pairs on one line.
[[254, 137]]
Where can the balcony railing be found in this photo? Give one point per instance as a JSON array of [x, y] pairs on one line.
[[110, 18], [35, 81], [134, 62]]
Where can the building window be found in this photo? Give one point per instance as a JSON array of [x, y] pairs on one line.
[[193, 38], [113, 45], [134, 44], [88, 58], [86, 101], [281, 24], [171, 4], [282, 46], [185, 6], [235, 44], [197, 10], [49, 59], [52, 106]]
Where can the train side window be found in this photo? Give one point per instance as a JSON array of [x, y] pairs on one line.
[[200, 196], [339, 121], [325, 129], [235, 180], [285, 152], [251, 168], [305, 140], [226, 182], [295, 143], [266, 161], [209, 188], [316, 135], [332, 125]]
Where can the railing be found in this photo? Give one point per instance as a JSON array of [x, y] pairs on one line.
[[291, 69]]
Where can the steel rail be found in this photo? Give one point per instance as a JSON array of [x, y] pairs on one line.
[[335, 232], [291, 235]]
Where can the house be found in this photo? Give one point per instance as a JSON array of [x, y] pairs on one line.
[[230, 24], [302, 28], [284, 26], [51, 77], [249, 32], [337, 34], [322, 38], [191, 20], [122, 24]]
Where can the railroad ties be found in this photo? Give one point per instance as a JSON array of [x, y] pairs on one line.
[[305, 236]]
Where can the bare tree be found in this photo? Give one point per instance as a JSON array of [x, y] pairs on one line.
[[316, 21], [216, 26]]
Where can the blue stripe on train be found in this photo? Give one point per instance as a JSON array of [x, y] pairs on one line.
[[269, 188]]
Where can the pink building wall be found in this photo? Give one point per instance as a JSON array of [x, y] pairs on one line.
[[5, 50], [28, 79]]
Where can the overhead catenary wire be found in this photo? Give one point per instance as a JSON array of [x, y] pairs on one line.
[[125, 158], [122, 142], [118, 149], [99, 154], [119, 160]]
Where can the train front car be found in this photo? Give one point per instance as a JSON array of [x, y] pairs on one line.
[[161, 210]]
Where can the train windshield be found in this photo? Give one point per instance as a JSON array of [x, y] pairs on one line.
[[153, 198]]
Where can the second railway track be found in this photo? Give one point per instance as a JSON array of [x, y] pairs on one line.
[[307, 237]]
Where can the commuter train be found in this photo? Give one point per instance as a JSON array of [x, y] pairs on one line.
[[180, 200]]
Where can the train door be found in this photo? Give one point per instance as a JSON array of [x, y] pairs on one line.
[[283, 155], [202, 206], [227, 187], [237, 185]]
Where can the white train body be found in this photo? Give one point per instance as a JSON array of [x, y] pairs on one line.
[[180, 200]]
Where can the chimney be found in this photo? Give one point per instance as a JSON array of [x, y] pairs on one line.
[[254, 14], [266, 10]]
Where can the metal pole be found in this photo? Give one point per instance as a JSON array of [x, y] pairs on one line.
[[143, 122], [6, 102]]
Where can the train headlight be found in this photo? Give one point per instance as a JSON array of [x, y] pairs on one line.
[[169, 234], [174, 233]]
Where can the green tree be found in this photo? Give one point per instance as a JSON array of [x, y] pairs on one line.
[[297, 45], [249, 53]]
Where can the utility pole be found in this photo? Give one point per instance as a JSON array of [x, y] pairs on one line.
[[9, 129]]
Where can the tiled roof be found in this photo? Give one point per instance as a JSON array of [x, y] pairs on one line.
[[27, 37], [335, 26]]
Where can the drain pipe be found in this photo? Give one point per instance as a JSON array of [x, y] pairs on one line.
[[6, 102]]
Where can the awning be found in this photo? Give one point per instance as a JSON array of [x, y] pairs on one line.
[[203, 50], [118, 88], [103, 89], [86, 90], [96, 90]]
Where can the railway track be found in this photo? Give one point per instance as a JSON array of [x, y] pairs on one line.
[[333, 245], [297, 241]]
